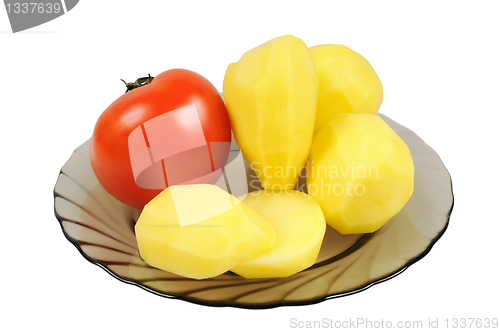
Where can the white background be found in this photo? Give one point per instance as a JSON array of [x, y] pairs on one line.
[[439, 65]]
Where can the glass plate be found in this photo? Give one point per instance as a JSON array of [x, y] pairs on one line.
[[102, 229]]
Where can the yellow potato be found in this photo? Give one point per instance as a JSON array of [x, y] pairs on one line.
[[200, 231], [347, 83], [360, 172], [300, 227], [271, 95]]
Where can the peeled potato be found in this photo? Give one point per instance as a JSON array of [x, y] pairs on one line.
[[271, 95], [200, 231], [360, 172], [347, 83], [300, 227]]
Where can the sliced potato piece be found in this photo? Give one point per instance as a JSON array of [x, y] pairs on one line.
[[200, 231], [300, 227]]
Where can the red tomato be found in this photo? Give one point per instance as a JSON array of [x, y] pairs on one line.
[[150, 137]]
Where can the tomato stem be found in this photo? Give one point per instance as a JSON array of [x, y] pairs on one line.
[[138, 83]]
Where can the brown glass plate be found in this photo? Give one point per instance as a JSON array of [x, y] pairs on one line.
[[102, 229]]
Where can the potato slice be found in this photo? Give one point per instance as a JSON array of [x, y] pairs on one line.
[[200, 231], [300, 227]]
